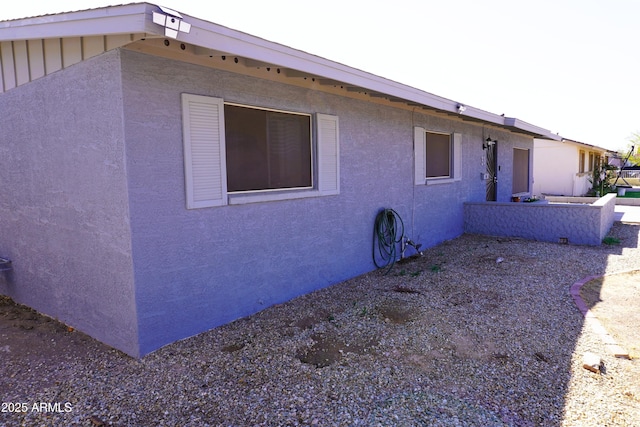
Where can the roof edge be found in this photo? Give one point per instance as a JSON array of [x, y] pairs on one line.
[[138, 18], [123, 19]]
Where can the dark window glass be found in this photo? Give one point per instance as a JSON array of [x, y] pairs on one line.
[[438, 155], [267, 149], [520, 170]]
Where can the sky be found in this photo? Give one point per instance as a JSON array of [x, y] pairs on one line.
[[569, 66]]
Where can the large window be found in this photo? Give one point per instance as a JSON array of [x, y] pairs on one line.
[[438, 155], [520, 171], [266, 149], [241, 154]]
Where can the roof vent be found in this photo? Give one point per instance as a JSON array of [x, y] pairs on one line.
[[171, 21]]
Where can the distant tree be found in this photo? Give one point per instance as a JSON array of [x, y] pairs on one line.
[[634, 147]]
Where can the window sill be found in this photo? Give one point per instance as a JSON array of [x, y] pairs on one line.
[[441, 181], [272, 196]]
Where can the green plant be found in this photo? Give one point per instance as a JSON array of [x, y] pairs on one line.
[[435, 268], [601, 180], [609, 240]]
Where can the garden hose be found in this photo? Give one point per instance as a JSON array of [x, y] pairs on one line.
[[388, 231]]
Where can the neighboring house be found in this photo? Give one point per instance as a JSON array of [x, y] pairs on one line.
[[158, 182], [565, 167]]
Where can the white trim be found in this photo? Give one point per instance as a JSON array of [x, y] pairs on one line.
[[420, 152], [204, 151], [246, 198], [328, 158], [419, 155], [457, 157], [438, 181]]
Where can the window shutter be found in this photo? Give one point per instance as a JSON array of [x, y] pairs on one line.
[[457, 156], [419, 153], [204, 151], [328, 155]]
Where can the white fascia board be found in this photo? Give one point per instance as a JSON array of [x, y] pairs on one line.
[[126, 19], [585, 145], [219, 38], [523, 126]]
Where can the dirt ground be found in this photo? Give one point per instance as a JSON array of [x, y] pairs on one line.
[[615, 300], [415, 296]]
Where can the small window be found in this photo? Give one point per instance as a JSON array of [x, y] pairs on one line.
[[581, 160], [591, 162], [438, 155], [267, 150]]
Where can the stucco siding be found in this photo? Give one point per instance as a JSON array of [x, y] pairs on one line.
[[63, 210], [583, 224], [197, 269]]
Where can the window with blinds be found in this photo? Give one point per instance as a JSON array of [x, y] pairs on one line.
[[266, 149]]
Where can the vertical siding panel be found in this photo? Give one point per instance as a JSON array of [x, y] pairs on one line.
[[8, 65], [92, 46], [36, 59], [52, 55], [115, 41], [21, 62], [71, 51], [2, 76]]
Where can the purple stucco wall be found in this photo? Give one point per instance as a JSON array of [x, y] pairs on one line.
[[582, 224], [93, 211], [64, 218], [196, 269]]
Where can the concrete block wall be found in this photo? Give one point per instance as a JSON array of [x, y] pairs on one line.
[[582, 224]]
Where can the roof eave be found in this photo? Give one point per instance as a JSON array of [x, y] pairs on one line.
[[138, 18], [219, 38], [125, 19], [535, 131]]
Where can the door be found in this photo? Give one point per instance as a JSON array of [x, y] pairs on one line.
[[491, 173]]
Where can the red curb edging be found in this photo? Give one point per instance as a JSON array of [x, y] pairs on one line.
[[597, 326]]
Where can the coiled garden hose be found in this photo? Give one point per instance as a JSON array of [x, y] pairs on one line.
[[388, 231]]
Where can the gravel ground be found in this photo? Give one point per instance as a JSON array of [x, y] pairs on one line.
[[480, 331]]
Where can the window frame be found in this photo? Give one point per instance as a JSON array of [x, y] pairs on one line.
[[449, 152], [312, 159], [420, 150], [205, 165]]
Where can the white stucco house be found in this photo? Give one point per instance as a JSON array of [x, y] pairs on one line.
[[564, 167]]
